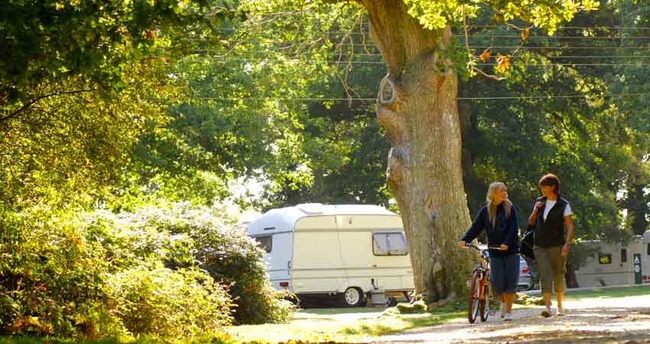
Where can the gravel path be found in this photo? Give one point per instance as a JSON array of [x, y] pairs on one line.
[[620, 320]]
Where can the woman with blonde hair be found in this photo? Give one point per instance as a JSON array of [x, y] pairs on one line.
[[499, 219]]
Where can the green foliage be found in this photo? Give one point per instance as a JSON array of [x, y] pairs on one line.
[[82, 82], [144, 339], [91, 41], [258, 110], [520, 142], [51, 279], [222, 250], [70, 147], [577, 132], [106, 275], [169, 303], [546, 15]]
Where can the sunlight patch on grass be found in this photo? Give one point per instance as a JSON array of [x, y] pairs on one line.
[[607, 293], [343, 325]]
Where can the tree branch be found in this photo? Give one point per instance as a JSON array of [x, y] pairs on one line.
[[399, 36], [34, 101]]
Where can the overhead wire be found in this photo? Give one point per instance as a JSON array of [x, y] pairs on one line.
[[541, 97], [627, 43]]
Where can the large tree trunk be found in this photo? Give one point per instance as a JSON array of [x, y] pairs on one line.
[[417, 107]]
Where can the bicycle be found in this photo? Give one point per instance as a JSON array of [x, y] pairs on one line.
[[480, 291]]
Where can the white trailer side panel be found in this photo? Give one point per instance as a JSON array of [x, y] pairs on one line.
[[612, 265], [334, 259]]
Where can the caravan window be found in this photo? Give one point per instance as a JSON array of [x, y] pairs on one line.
[[265, 242], [389, 244]]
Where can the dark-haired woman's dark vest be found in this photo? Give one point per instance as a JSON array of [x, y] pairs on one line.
[[551, 232]]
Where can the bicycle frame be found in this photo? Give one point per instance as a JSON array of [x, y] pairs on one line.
[[480, 291]]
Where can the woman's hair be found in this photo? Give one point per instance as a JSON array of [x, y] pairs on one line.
[[550, 180], [492, 208]]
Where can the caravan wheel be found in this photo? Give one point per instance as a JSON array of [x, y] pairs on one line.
[[353, 297]]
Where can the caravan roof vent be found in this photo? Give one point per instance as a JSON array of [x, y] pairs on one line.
[[311, 208]]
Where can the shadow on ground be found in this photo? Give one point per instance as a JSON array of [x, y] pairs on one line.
[[624, 324]]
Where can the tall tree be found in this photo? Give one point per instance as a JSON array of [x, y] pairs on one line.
[[417, 107]]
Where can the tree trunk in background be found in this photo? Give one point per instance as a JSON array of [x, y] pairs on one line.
[[570, 276], [638, 201], [417, 107]]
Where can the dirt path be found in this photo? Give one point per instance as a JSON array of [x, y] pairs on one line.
[[620, 320]]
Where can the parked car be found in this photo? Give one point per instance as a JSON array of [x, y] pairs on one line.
[[526, 280]]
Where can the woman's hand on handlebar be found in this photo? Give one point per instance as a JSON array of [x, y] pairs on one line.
[[503, 247], [462, 244]]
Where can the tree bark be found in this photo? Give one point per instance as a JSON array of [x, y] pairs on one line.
[[570, 276], [417, 107]]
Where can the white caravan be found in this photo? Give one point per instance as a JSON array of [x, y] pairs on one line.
[[614, 264], [348, 251]]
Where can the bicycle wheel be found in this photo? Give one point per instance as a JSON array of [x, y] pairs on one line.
[[484, 301], [473, 302]]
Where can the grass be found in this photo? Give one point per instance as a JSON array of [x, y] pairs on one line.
[[589, 294], [607, 293], [345, 325]]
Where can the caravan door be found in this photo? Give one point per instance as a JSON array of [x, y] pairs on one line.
[[280, 261], [277, 245]]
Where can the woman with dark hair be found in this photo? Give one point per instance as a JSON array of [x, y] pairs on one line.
[[551, 218], [499, 219]]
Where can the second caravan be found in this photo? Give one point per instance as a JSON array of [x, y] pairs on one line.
[[616, 264], [341, 251]]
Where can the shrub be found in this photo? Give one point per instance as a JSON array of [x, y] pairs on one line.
[[66, 275], [177, 271], [225, 252], [50, 279], [169, 303]]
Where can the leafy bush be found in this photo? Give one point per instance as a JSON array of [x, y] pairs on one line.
[[181, 303], [50, 280], [67, 275], [177, 271], [209, 238]]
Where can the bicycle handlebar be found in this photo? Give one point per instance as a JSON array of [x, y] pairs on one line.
[[470, 245]]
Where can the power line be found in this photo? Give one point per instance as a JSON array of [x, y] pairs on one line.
[[573, 96], [358, 62], [559, 37], [593, 28], [355, 54], [474, 37], [477, 47], [480, 40]]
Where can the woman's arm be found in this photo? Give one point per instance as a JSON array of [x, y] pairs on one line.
[[476, 227], [568, 224], [532, 219], [513, 229]]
